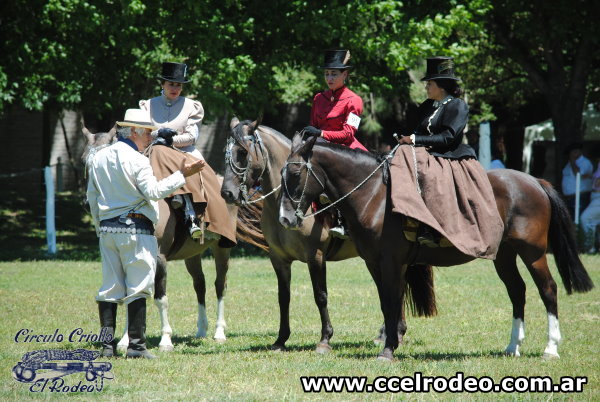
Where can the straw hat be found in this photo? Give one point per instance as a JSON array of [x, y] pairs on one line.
[[137, 118]]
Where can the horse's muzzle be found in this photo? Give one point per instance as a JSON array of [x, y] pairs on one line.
[[290, 223], [229, 197]]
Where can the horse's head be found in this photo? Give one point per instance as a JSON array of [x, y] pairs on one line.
[[245, 161], [97, 141], [301, 181]]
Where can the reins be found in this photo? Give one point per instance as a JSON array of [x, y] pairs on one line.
[[309, 169]]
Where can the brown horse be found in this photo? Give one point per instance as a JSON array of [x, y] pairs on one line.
[[532, 212], [257, 154], [175, 243]]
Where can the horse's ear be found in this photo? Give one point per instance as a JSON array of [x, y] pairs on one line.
[[254, 125], [112, 133], [89, 136], [296, 141], [234, 122], [302, 147]]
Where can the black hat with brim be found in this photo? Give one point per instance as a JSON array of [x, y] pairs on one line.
[[440, 67], [336, 60], [174, 72]]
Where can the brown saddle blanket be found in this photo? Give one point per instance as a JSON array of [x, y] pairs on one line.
[[204, 188], [456, 199]]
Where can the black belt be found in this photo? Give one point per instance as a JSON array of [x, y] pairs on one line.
[[134, 224]]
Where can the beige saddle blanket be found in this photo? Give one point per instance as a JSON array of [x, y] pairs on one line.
[[204, 187], [456, 199]]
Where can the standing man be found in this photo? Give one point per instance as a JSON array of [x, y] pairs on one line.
[[577, 164], [123, 193]]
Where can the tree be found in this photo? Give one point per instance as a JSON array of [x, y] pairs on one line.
[[554, 45]]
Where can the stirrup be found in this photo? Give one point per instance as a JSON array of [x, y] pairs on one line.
[[195, 231], [338, 231]]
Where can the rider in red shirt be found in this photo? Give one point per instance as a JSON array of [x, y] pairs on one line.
[[336, 112]]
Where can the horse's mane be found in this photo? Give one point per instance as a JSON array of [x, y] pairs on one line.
[[358, 155], [238, 132]]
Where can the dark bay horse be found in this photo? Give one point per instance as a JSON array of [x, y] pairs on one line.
[[175, 243], [533, 213], [257, 154]]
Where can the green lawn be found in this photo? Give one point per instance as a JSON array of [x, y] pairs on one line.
[[469, 334]]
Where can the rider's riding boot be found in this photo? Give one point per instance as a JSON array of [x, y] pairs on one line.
[[427, 236], [137, 330], [108, 319], [195, 230], [177, 201]]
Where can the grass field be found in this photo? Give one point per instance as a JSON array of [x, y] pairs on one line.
[[469, 334]]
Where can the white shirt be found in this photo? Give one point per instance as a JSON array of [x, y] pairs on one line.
[[568, 179], [121, 179], [183, 115]]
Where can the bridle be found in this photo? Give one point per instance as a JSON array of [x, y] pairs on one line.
[[309, 170], [242, 172]]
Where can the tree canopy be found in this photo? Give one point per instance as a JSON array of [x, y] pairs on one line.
[[247, 56]]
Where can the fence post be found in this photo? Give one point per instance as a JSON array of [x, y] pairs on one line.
[[59, 175], [50, 226]]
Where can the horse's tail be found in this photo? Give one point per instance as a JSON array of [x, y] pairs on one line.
[[563, 244], [420, 293], [248, 225]]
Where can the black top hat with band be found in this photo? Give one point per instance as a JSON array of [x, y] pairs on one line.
[[336, 59], [440, 67], [174, 72]]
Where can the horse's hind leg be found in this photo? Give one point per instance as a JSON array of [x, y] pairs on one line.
[[318, 277], [162, 303], [506, 267], [536, 261], [222, 266], [194, 268]]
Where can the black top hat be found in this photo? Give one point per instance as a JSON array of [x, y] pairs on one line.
[[174, 72], [336, 59], [440, 67]]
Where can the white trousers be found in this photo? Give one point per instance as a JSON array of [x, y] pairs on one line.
[[128, 267]]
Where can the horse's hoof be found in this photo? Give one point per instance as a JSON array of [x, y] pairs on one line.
[[323, 348], [382, 358], [509, 353], [550, 356], [386, 356], [219, 340], [165, 348], [277, 348], [122, 348]]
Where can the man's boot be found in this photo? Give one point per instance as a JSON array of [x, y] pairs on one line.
[[108, 320], [137, 330]]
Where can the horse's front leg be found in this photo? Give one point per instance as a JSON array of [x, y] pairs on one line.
[[284, 275], [391, 296], [194, 268], [222, 266], [162, 303], [318, 276]]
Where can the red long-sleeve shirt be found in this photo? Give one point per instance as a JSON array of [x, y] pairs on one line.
[[336, 113]]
